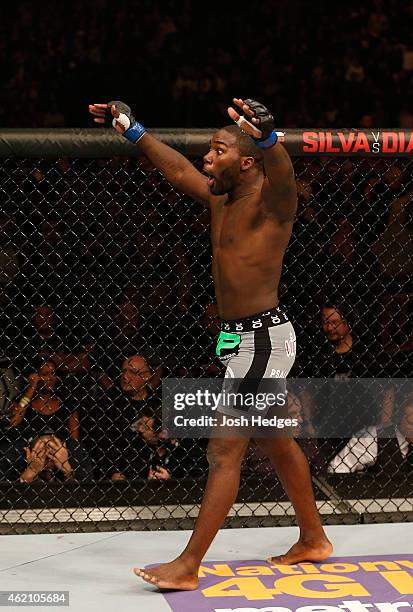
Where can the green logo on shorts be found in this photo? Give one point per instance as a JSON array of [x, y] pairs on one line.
[[227, 341]]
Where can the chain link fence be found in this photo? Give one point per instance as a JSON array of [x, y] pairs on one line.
[[105, 289]]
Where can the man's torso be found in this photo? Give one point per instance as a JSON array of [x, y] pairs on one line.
[[248, 248]]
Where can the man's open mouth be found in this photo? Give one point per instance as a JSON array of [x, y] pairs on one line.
[[210, 177]]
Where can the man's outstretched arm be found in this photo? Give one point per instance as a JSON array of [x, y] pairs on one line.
[[279, 191], [176, 168]]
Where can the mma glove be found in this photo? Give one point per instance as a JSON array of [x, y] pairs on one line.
[[133, 129], [266, 124]]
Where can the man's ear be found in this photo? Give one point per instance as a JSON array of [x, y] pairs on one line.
[[247, 163]]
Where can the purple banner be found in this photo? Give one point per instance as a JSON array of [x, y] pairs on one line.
[[341, 583]]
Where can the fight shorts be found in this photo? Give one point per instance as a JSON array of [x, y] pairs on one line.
[[258, 353]]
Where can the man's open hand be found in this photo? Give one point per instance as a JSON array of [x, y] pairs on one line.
[[245, 125]]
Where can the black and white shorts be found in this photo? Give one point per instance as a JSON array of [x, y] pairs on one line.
[[258, 353]]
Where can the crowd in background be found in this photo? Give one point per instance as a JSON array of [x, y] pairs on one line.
[[105, 284], [313, 63], [105, 279]]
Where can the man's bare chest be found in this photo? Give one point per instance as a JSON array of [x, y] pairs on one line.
[[231, 225]]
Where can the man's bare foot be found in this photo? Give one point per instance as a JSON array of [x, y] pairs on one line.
[[175, 575], [303, 551]]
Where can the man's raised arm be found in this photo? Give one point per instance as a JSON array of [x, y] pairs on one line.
[[279, 191], [176, 168]]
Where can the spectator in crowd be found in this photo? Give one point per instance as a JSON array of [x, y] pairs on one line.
[[48, 458], [108, 419], [45, 455], [124, 427], [349, 352], [40, 407], [387, 450], [153, 455], [136, 378]]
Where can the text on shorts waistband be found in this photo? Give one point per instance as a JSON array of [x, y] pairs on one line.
[[275, 316]]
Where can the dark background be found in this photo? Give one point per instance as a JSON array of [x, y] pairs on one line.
[[179, 63], [87, 237]]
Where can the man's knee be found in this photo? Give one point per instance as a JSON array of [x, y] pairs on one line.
[[278, 446], [225, 453]]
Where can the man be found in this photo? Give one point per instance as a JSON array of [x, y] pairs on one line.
[[351, 350], [339, 409], [251, 221], [109, 420]]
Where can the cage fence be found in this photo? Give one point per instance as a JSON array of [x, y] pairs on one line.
[[105, 290]]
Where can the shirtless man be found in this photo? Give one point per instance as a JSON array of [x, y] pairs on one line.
[[251, 192]]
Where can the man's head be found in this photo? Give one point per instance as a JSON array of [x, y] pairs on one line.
[[335, 326], [136, 373], [232, 157]]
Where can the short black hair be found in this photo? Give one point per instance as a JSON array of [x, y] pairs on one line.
[[246, 144], [345, 309]]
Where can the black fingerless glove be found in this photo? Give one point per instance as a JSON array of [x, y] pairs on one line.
[[266, 124]]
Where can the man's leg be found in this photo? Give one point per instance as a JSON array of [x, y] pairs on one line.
[[294, 473], [224, 457]]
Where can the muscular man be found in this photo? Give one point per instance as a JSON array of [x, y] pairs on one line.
[[251, 192]]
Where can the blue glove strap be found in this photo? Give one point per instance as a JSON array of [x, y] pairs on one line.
[[135, 132], [268, 142]]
